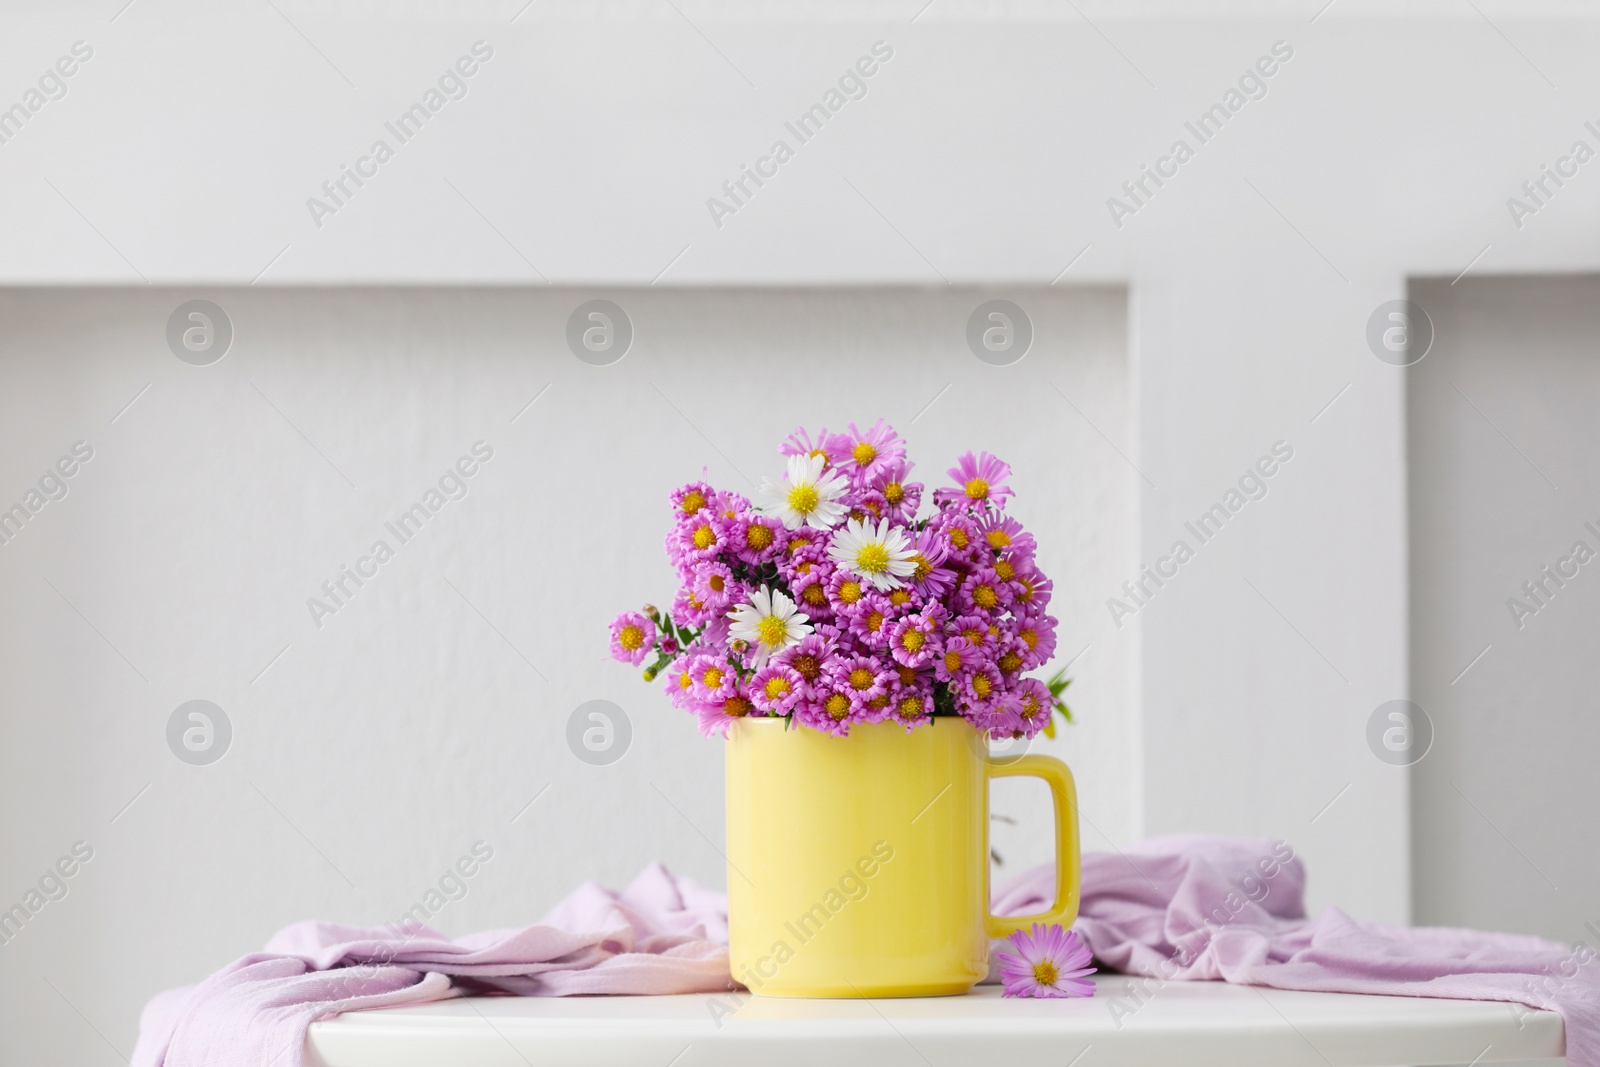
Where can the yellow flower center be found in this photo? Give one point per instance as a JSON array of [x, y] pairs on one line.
[[1010, 663], [977, 489], [981, 686], [997, 538], [1028, 590], [815, 595], [815, 452], [1030, 638], [772, 630], [875, 621], [850, 592], [985, 597], [807, 667], [712, 677], [797, 543], [900, 597], [864, 453], [872, 558], [736, 706], [1045, 973], [704, 538], [894, 492], [717, 582], [912, 640], [1030, 706], [958, 537], [693, 501], [924, 568], [907, 674], [684, 681], [777, 686], [909, 707], [973, 634], [861, 678], [1004, 569], [952, 660], [757, 536], [837, 706], [803, 498], [631, 638]]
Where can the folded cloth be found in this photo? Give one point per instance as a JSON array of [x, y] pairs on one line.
[[1233, 909], [663, 934], [1172, 908]]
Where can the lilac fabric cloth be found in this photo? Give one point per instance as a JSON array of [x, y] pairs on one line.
[[1173, 908], [1233, 909], [663, 934]]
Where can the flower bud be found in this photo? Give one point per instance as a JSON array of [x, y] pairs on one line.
[[669, 646], [738, 645], [650, 610], [649, 674]]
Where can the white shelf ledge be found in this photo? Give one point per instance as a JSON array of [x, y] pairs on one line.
[[1201, 1024]]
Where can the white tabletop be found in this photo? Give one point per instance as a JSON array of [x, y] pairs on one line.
[[1203, 1024]]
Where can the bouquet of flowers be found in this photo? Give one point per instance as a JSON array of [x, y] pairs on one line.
[[840, 599]]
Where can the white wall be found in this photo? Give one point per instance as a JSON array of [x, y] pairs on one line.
[[984, 153]]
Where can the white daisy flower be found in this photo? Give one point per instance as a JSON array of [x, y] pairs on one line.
[[807, 496], [769, 623], [881, 556]]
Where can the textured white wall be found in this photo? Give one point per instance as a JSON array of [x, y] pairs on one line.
[[381, 745]]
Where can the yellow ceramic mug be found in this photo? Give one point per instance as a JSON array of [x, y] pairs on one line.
[[859, 866]]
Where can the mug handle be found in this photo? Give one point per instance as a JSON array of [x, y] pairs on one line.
[[1059, 778]]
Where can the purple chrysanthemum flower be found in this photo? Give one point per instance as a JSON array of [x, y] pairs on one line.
[[963, 543], [846, 591], [713, 678], [1038, 633], [1048, 962], [914, 640], [632, 637], [912, 704], [1004, 534], [810, 656], [688, 609], [981, 478], [715, 587], [977, 629], [754, 537], [983, 591], [982, 695], [701, 537], [716, 718], [872, 450], [902, 495], [872, 620], [827, 708], [1034, 589], [861, 679], [679, 686], [811, 593], [688, 500], [776, 689], [959, 658], [1032, 705]]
